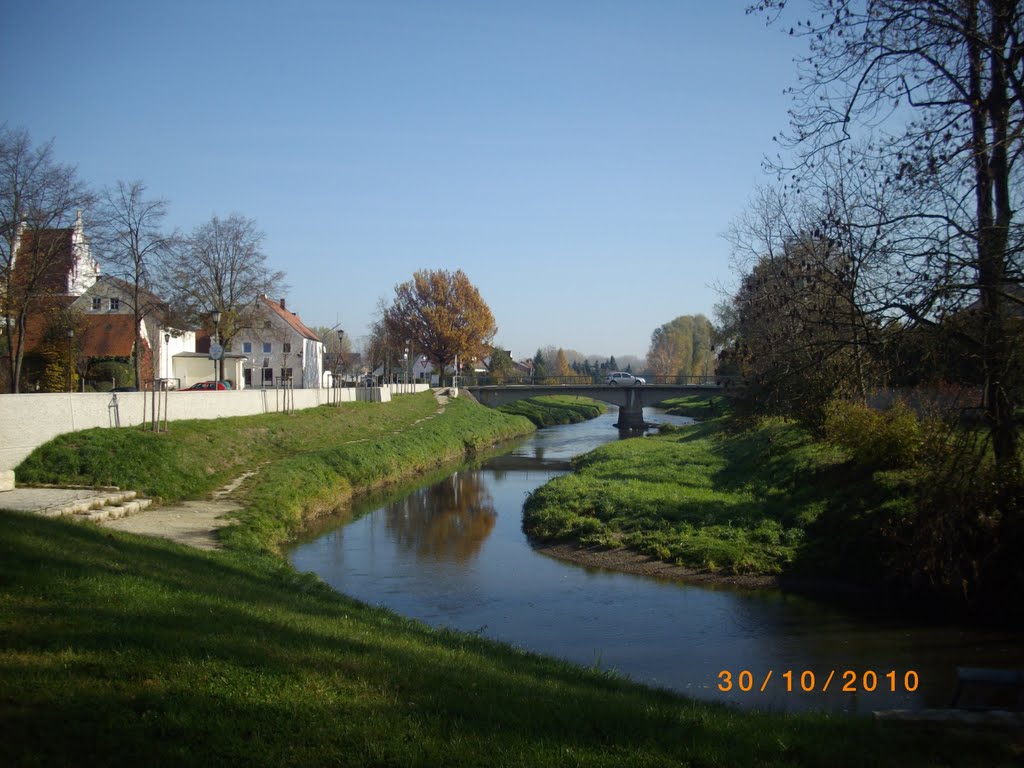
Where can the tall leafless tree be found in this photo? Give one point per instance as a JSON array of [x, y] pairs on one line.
[[38, 196], [134, 244], [221, 267], [928, 98]]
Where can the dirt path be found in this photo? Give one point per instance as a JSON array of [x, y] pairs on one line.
[[195, 523]]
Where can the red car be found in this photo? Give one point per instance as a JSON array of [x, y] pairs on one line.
[[207, 385]]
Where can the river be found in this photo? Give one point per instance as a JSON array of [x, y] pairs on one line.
[[452, 553]]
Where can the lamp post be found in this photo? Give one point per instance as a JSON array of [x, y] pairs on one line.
[[167, 358], [71, 359], [341, 353], [216, 342]]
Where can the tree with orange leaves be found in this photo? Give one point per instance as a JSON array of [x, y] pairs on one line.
[[441, 315]]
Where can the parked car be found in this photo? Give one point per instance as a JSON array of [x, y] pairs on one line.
[[623, 379], [208, 385]]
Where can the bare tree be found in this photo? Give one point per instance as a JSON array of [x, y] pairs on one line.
[[135, 244], [38, 201], [935, 89], [221, 267]]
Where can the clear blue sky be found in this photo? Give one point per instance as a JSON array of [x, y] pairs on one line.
[[578, 160]]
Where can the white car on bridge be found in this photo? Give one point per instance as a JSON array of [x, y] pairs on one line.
[[623, 379]]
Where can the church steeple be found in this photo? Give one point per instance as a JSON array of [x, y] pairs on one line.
[[85, 270]]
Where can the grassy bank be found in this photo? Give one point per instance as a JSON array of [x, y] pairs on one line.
[[698, 406], [121, 650], [555, 409], [697, 498], [309, 461], [767, 500], [294, 488]]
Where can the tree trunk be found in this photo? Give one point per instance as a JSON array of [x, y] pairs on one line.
[[990, 113]]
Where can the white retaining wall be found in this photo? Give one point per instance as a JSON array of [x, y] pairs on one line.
[[29, 420]]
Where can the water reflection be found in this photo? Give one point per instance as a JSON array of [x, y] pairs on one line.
[[446, 521], [453, 554]]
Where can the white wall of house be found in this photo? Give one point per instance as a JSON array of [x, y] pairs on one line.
[[312, 362], [165, 351], [272, 352]]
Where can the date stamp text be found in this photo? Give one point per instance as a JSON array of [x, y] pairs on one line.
[[808, 681]]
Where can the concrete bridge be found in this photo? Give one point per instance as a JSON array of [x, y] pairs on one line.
[[630, 400]]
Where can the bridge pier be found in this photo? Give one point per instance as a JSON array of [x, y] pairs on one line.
[[631, 415]]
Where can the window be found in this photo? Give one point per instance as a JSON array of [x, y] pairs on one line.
[[97, 304], [115, 305], [286, 374], [267, 348], [268, 375], [247, 347], [286, 347]]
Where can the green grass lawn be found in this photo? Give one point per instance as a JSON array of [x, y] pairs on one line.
[[760, 501], [121, 650]]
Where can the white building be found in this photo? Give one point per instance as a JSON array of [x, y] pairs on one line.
[[279, 348]]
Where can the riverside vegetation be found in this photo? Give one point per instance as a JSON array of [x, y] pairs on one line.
[[555, 409], [123, 650], [845, 511]]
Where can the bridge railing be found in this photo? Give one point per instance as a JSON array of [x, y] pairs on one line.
[[595, 380]]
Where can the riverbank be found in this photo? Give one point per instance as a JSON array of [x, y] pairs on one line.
[[715, 504], [626, 560], [294, 466], [555, 409], [120, 649]]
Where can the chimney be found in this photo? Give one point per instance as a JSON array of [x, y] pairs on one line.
[[282, 303]]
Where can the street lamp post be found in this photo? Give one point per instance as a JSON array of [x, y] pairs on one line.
[[216, 341], [167, 358], [341, 353], [71, 359]]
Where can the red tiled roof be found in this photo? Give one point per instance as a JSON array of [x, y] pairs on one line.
[[95, 335], [289, 317], [45, 251], [106, 335]]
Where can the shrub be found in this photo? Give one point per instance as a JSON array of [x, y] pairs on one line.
[[113, 370], [891, 438]]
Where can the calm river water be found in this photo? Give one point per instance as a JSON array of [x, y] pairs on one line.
[[452, 553]]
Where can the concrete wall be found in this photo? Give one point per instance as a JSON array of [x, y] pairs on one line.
[[29, 420]]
